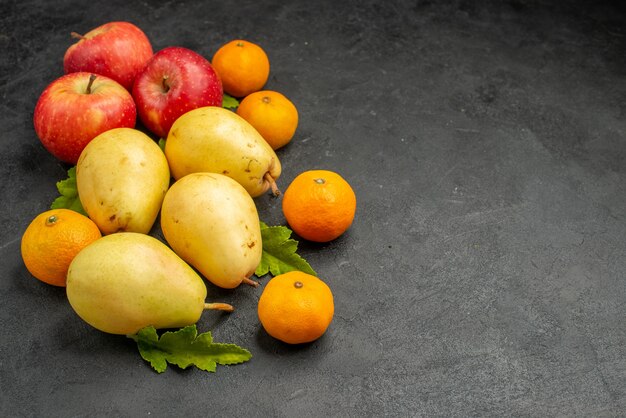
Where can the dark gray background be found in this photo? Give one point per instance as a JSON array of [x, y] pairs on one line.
[[484, 274]]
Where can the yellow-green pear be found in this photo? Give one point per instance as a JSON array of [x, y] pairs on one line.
[[212, 223], [216, 140], [126, 281], [122, 176]]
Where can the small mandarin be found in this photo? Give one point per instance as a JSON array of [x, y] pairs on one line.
[[319, 205], [272, 114], [52, 240], [296, 307], [242, 66]]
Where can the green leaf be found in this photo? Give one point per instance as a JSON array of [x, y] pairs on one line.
[[162, 144], [185, 348], [69, 194], [229, 102], [279, 252]]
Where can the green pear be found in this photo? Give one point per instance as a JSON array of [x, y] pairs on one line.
[[216, 140], [212, 223], [122, 176], [126, 281]]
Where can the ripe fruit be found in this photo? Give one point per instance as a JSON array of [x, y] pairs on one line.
[[52, 240], [127, 281], [243, 67], [296, 307], [118, 50], [212, 223], [122, 177], [319, 205], [175, 81], [216, 140], [272, 114], [75, 108]]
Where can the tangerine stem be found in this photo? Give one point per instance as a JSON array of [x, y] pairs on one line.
[[219, 306], [250, 282], [268, 178]]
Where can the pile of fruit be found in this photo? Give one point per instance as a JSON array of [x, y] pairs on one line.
[[206, 152]]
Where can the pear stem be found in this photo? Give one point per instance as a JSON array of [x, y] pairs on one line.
[[250, 282], [268, 178], [218, 306], [76, 35]]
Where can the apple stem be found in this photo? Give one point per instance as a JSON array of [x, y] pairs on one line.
[[76, 35], [250, 282], [166, 85], [268, 178], [92, 77], [219, 306]]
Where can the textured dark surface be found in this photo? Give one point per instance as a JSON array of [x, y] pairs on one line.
[[485, 272]]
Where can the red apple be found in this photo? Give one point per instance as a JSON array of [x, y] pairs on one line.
[[77, 107], [175, 81], [118, 50]]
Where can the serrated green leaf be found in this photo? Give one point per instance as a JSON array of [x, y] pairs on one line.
[[229, 102], [147, 342], [69, 194], [279, 253], [185, 348]]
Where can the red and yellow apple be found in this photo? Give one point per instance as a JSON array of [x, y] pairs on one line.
[[174, 81], [118, 50], [77, 107]]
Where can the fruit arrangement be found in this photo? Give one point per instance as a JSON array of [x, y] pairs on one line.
[[207, 152]]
